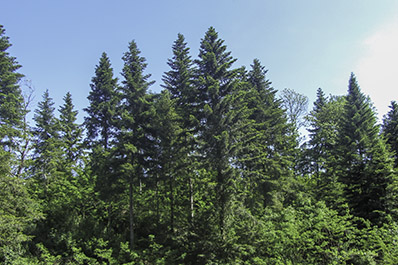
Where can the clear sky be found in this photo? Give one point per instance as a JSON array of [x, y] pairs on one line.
[[304, 44]]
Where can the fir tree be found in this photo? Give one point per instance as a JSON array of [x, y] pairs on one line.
[[12, 109], [179, 80], [217, 97], [325, 123], [100, 124], [366, 166], [103, 100], [169, 156], [11, 100], [136, 113], [47, 147], [266, 153], [70, 132], [390, 129]]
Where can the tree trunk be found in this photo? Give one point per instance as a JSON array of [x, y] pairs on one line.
[[191, 200], [171, 204], [131, 215]]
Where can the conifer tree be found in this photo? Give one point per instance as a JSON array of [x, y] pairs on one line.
[[366, 165], [179, 81], [47, 146], [100, 124], [11, 100], [266, 152], [217, 95], [103, 100], [134, 137], [325, 122], [70, 132], [11, 103], [168, 156], [390, 129]]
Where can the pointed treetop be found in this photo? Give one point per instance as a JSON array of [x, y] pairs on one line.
[[134, 67], [178, 80], [257, 75], [214, 59], [320, 100]]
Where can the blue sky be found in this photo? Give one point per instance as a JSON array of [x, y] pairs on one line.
[[305, 44]]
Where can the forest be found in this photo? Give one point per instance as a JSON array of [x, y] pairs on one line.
[[211, 170]]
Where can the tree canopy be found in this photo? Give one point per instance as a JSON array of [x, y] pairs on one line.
[[210, 170]]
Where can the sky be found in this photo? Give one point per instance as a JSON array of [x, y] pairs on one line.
[[304, 44]]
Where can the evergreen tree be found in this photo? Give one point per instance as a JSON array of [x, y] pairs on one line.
[[180, 82], [70, 132], [366, 166], [266, 156], [136, 113], [47, 146], [390, 129], [325, 123], [169, 157], [179, 79], [11, 100], [219, 112], [100, 124], [103, 100]]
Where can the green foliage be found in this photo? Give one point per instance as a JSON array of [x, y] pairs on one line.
[[325, 122], [103, 99], [11, 100], [390, 129], [364, 161], [18, 213], [208, 171]]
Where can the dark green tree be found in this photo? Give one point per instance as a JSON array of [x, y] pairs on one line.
[[134, 138], [366, 167], [169, 159], [325, 123], [218, 98], [70, 133], [11, 100], [390, 129], [180, 82], [103, 100], [266, 156], [179, 79], [100, 124], [46, 146]]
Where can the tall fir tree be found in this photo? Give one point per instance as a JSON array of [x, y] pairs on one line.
[[325, 123], [366, 166], [390, 129], [179, 80], [102, 109], [219, 115], [11, 100], [266, 156], [134, 138], [11, 103], [18, 211], [47, 146], [100, 124]]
